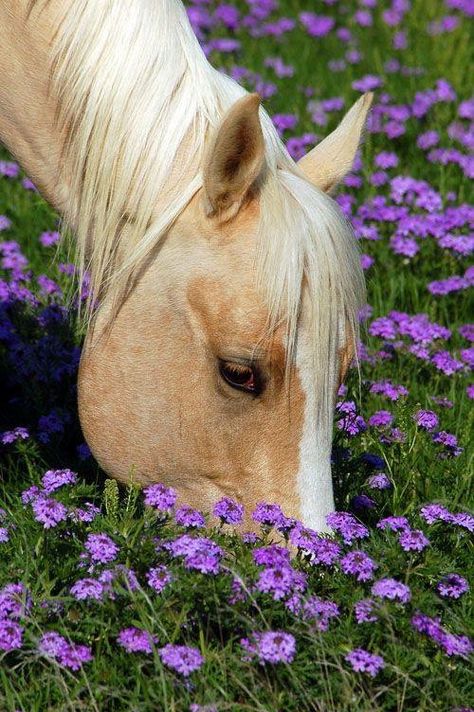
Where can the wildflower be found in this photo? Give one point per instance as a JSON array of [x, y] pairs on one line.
[[394, 524], [280, 581], [413, 540], [270, 647], [272, 555], [87, 588], [186, 516], [54, 479], [160, 497], [364, 611], [49, 238], [379, 481], [452, 586], [269, 515], [102, 549], [363, 661], [10, 436], [136, 640], [229, 511], [200, 553], [67, 654], [391, 589], [381, 418], [426, 419], [158, 578], [11, 635], [181, 658], [320, 611], [432, 513], [359, 564], [48, 511], [347, 526]]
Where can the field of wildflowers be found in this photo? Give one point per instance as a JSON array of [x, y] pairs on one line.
[[106, 604]]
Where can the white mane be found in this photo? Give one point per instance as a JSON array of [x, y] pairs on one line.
[[134, 88]]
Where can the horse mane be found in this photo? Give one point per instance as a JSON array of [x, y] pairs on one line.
[[134, 87]]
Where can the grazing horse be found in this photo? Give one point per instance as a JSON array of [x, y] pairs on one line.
[[225, 282]]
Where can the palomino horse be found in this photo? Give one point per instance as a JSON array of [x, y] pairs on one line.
[[227, 279]]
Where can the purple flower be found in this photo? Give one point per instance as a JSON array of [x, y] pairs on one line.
[[451, 644], [395, 524], [11, 635], [158, 578], [15, 601], [67, 654], [379, 481], [54, 479], [10, 436], [426, 419], [347, 526], [381, 418], [269, 515], [181, 658], [432, 513], [413, 540], [446, 363], [391, 589], [48, 511], [363, 661], [272, 555], [186, 516], [49, 238], [452, 586], [359, 564], [102, 549], [320, 612], [273, 646], [229, 511], [200, 553], [386, 159], [280, 581], [136, 640], [87, 588], [160, 497], [316, 25], [364, 611]]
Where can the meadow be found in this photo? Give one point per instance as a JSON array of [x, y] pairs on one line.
[[116, 599]]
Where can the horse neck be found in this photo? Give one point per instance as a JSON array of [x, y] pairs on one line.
[[27, 106]]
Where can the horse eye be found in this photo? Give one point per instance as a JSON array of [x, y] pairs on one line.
[[241, 376]]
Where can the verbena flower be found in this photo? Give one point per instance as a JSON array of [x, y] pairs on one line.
[[363, 661], [101, 548], [359, 564], [320, 611], [426, 419], [229, 511], [69, 655], [379, 481], [452, 586], [160, 497], [136, 640], [270, 647], [54, 479], [11, 635], [347, 526], [269, 515], [280, 581], [158, 577], [181, 658], [87, 588], [364, 611], [391, 589], [395, 524], [186, 516], [49, 512], [413, 540]]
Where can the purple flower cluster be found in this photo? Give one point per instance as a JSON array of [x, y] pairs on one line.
[[273, 646], [363, 661], [70, 655], [450, 643], [198, 553]]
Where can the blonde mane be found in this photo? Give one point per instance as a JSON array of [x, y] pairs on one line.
[[138, 102]]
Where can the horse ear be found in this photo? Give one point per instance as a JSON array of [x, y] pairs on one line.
[[234, 159], [328, 162]]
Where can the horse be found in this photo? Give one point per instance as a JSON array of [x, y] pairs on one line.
[[225, 283]]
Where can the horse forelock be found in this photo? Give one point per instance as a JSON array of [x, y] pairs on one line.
[[139, 101]]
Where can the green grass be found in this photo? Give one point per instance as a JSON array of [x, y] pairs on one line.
[[194, 609]]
